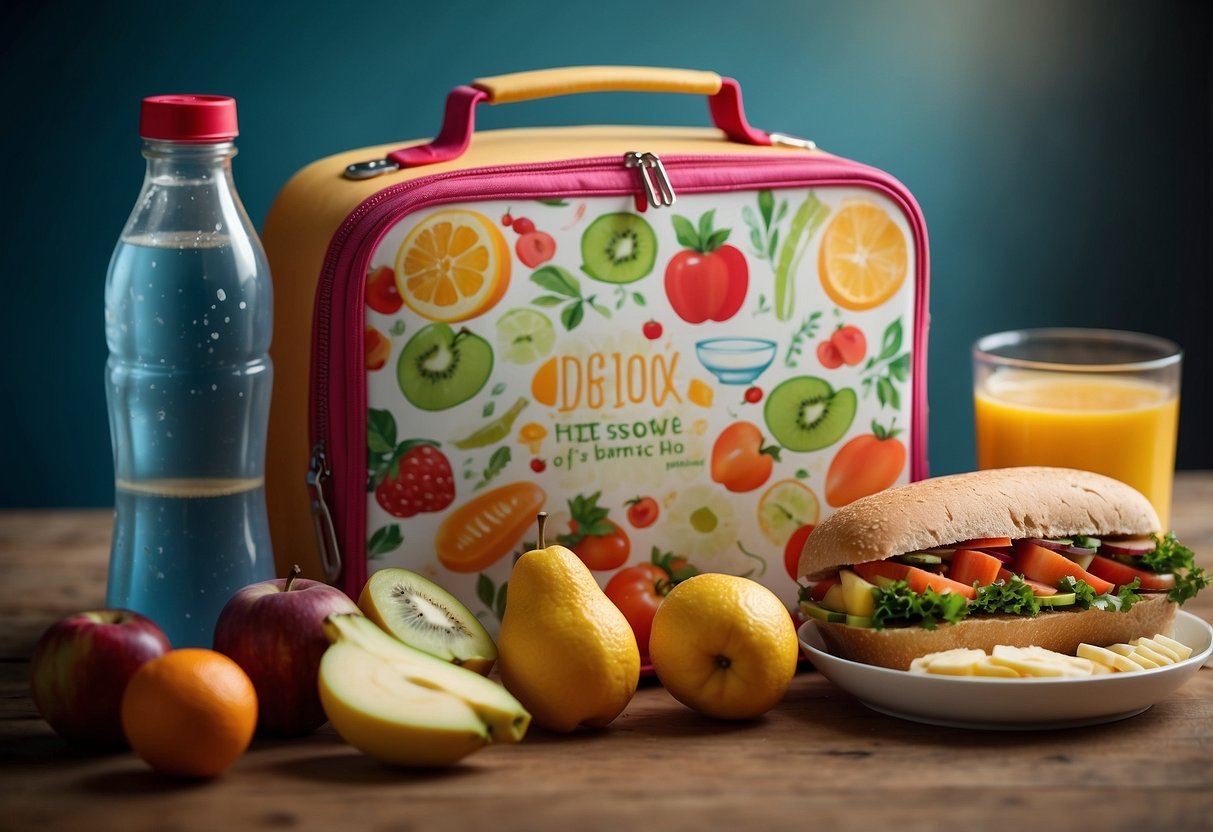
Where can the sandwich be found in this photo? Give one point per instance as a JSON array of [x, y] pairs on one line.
[[1047, 557]]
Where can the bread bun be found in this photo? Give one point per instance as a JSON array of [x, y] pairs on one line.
[[1061, 630], [1002, 502]]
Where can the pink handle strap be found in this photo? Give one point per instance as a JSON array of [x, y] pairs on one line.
[[458, 124]]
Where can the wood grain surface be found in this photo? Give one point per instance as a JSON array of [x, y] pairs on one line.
[[820, 760]]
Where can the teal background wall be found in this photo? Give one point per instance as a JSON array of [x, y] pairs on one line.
[[1060, 151]]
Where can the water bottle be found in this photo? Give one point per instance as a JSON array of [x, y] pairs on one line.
[[188, 316]]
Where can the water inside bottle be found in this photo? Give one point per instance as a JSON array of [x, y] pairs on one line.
[[188, 384]]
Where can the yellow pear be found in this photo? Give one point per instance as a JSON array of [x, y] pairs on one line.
[[564, 650]]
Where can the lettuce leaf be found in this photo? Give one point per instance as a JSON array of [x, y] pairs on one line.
[[1170, 555], [898, 604], [1014, 597], [1087, 598]]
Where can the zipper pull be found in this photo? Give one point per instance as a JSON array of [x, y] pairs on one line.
[[322, 518], [657, 187]]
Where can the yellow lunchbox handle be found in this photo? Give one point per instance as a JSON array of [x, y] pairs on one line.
[[723, 94], [547, 83]]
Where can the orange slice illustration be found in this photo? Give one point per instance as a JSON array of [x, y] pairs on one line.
[[864, 258], [453, 265]]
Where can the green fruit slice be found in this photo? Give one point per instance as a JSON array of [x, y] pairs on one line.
[[425, 616], [524, 335], [439, 368], [494, 431], [785, 507], [806, 414], [618, 248]]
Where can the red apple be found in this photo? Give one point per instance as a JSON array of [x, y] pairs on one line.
[[81, 666], [275, 631]]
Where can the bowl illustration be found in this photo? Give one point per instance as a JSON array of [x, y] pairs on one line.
[[735, 360]]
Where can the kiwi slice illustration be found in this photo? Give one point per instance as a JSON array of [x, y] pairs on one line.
[[428, 618], [806, 414], [439, 367], [618, 248]]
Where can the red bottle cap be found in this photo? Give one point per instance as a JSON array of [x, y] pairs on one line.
[[188, 118]]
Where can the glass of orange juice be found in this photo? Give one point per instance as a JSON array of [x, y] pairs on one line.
[[1095, 399]]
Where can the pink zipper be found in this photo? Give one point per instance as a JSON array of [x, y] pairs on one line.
[[337, 373]]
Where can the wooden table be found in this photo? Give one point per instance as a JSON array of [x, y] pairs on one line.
[[818, 761]]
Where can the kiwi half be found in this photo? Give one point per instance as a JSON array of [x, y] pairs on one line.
[[425, 616], [618, 248], [806, 414], [439, 367]]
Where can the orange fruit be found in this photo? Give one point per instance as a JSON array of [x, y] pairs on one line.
[[190, 712], [864, 257], [724, 645], [453, 265]]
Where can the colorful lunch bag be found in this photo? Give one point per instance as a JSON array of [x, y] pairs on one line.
[[686, 345]]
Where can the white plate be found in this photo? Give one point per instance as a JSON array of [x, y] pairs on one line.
[[1011, 704]]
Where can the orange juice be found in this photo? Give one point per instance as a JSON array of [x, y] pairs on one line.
[[1114, 425]]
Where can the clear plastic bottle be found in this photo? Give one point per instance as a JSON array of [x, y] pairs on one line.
[[188, 318]]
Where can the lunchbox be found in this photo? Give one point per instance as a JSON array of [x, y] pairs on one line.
[[685, 345]]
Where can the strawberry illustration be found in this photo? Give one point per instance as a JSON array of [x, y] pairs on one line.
[[409, 477]]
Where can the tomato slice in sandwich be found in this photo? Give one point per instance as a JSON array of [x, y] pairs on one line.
[[1121, 574], [968, 566], [1049, 567], [1037, 587], [918, 579]]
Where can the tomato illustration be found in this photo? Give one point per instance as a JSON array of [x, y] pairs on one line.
[[739, 460], [382, 295], [377, 348], [707, 280], [865, 465], [851, 344], [791, 552], [593, 536], [637, 592], [828, 355], [642, 511]]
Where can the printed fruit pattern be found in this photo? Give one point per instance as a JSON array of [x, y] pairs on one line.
[[533, 248], [440, 368], [416, 478], [847, 345], [642, 512], [784, 508], [618, 248], [381, 292], [708, 279], [863, 258], [791, 552], [805, 413], [480, 532], [740, 461], [864, 465], [638, 591], [452, 266], [377, 346], [407, 477], [600, 283], [593, 536]]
